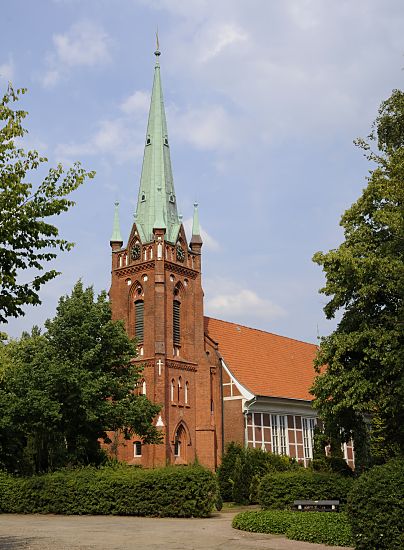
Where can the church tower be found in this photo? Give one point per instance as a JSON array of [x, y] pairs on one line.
[[156, 289]]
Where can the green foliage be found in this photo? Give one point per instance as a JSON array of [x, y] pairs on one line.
[[240, 487], [335, 464], [27, 239], [316, 527], [274, 521], [364, 356], [62, 391], [219, 501], [225, 470], [242, 469], [321, 528], [280, 490], [174, 491], [376, 507]]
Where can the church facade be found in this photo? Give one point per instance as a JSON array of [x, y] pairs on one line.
[[216, 381]]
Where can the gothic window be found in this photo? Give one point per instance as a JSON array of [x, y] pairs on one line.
[[139, 320], [176, 322], [179, 387], [137, 448], [144, 387], [186, 393], [172, 389], [177, 447]]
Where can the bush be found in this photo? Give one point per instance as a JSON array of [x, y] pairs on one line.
[[226, 469], [275, 521], [174, 491], [334, 464], [319, 527], [242, 469], [376, 507], [280, 490]]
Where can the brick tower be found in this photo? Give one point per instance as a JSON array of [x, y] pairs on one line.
[[156, 289]]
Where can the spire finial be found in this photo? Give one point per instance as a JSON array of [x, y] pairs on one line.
[[116, 236], [157, 52], [196, 240], [195, 222]]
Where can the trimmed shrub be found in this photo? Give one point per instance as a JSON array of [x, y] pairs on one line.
[[280, 490], [376, 507], [275, 521], [319, 527], [174, 491]]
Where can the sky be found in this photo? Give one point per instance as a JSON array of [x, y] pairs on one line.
[[263, 100]]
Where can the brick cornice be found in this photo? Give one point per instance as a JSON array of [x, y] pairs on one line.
[[130, 269], [181, 270], [181, 366]]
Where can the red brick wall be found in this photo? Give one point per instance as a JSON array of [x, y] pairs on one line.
[[157, 282]]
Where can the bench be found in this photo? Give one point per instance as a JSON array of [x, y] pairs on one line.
[[317, 505]]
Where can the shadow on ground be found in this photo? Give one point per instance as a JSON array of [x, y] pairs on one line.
[[15, 543]]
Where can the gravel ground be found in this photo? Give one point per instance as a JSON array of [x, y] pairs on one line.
[[40, 532]]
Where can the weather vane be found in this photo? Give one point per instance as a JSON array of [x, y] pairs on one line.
[[157, 52]]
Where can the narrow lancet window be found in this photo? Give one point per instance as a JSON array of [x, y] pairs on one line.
[[176, 322], [139, 320]]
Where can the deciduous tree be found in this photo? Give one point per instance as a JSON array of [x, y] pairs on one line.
[[361, 363], [27, 238], [61, 392]]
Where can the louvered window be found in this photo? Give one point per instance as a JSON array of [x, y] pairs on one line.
[[139, 320], [176, 322]]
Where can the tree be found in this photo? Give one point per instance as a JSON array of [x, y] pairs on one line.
[[63, 391], [360, 364], [27, 240]]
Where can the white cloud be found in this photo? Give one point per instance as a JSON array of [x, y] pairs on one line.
[[137, 102], [231, 300], [113, 137], [208, 241], [220, 37], [206, 128], [7, 71], [84, 44]]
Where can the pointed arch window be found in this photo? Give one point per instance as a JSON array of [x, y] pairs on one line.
[[179, 388], [176, 322], [139, 320], [186, 393], [172, 389]]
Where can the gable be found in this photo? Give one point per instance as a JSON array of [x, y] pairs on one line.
[[264, 363]]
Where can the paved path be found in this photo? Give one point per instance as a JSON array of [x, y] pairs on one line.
[[37, 532]]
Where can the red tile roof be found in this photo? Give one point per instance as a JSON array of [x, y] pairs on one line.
[[266, 364]]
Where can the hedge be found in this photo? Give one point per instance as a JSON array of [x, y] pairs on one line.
[[280, 490], [376, 507], [174, 491], [317, 527]]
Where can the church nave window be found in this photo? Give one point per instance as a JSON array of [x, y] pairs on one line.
[[137, 448]]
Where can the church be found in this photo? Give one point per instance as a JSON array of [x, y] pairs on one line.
[[217, 381]]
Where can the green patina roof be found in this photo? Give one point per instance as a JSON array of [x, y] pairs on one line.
[[195, 221], [116, 230], [157, 203]]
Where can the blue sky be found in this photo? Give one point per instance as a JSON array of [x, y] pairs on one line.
[[263, 101]]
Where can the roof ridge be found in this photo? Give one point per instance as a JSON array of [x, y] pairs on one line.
[[260, 330]]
